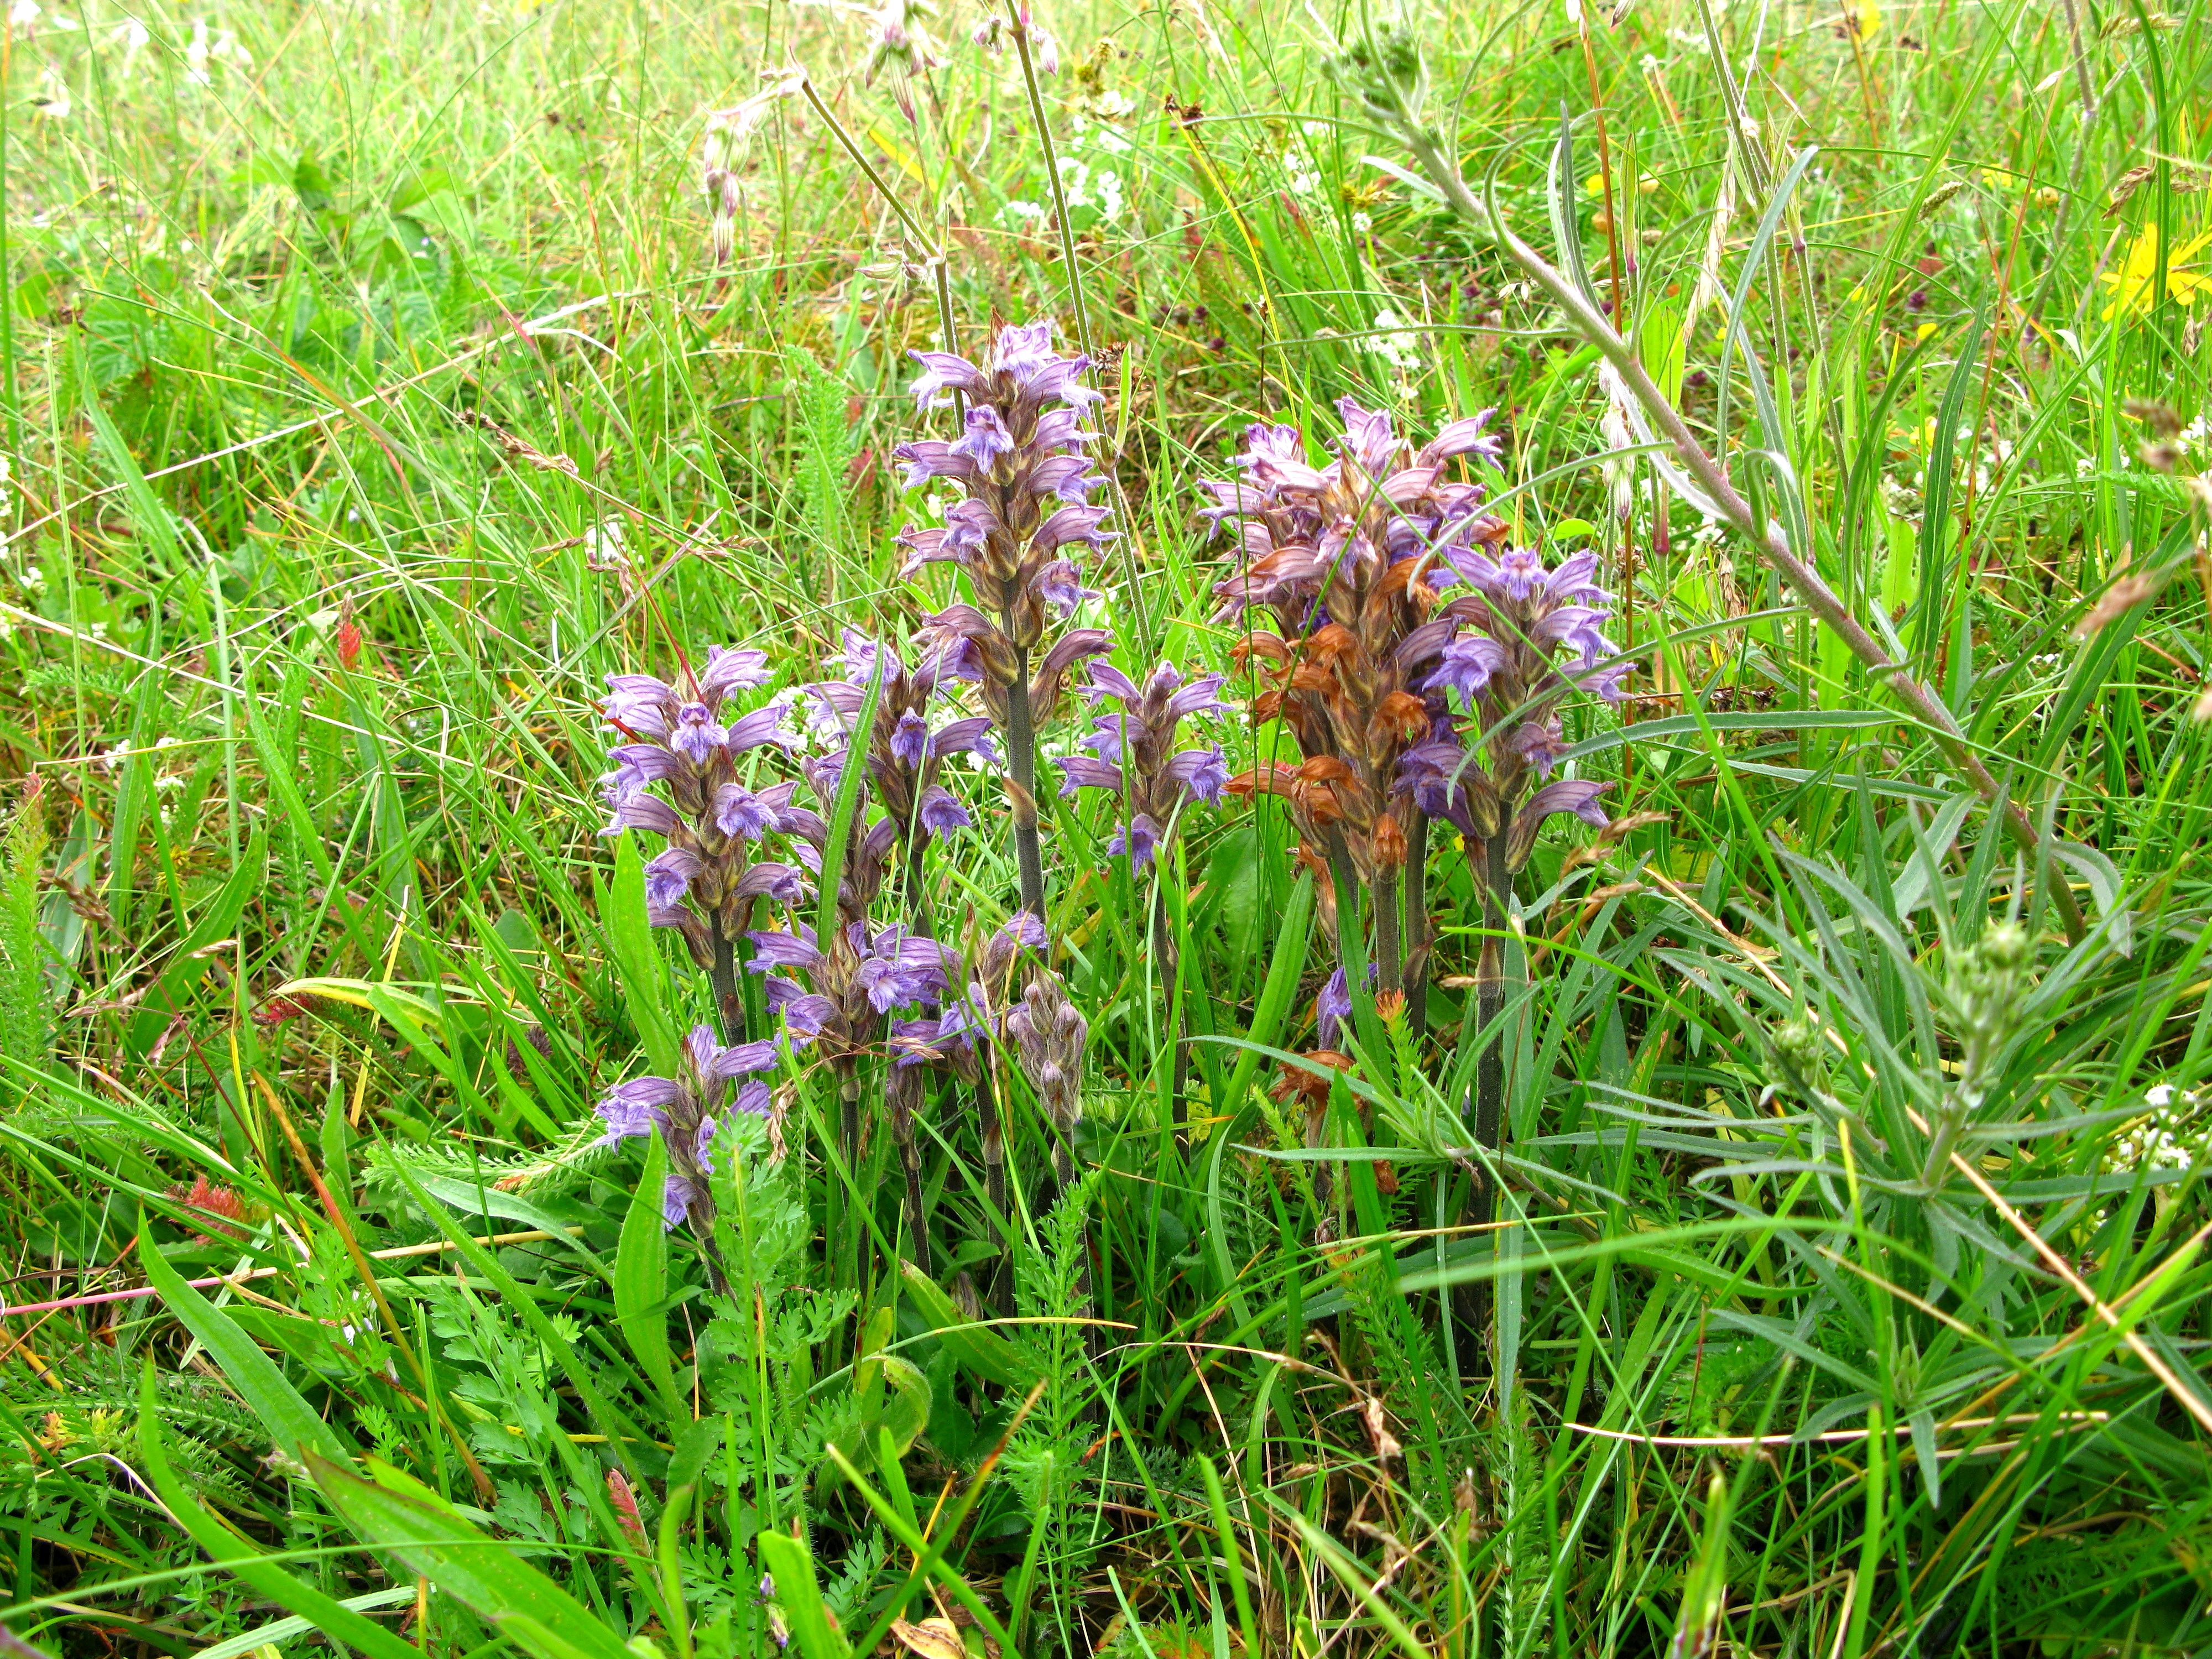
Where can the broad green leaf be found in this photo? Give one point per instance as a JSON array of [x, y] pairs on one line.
[[791, 1564], [297, 1429], [979, 1349], [257, 1571], [636, 958], [482, 1573], [642, 1275]]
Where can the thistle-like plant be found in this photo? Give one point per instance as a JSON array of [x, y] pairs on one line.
[[1022, 520], [705, 884]]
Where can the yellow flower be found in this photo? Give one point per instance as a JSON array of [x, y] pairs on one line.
[[1863, 18], [2135, 283]]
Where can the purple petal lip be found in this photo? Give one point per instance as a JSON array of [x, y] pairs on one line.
[[1085, 772]]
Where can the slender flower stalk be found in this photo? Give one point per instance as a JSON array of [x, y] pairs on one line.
[[1134, 757], [1519, 638], [1016, 532], [707, 884], [956, 1042]]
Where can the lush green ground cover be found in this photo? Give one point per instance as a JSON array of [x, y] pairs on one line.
[[379, 378]]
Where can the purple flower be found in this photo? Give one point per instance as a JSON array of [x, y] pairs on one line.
[[910, 743], [941, 812], [1467, 437], [637, 766], [1139, 838], [697, 736], [635, 1108], [1203, 772], [741, 813], [1059, 584], [679, 1195], [1083, 772], [1468, 664], [764, 726], [643, 811], [1539, 743], [1331, 1008], [796, 949], [668, 876], [1110, 735], [639, 704], [729, 669], [942, 371], [972, 734], [779, 882], [987, 441]]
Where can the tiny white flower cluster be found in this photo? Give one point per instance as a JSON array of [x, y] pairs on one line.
[[2159, 1139], [1085, 186], [1393, 343], [1099, 136], [206, 47], [1692, 41], [2195, 435], [1301, 173]]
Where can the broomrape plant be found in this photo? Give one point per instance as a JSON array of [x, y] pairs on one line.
[[1016, 534]]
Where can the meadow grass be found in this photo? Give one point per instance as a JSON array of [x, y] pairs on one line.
[[378, 378]]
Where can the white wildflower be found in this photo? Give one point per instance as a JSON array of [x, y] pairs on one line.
[[1362, 223], [1020, 213], [33, 579], [1392, 343], [1301, 176], [604, 544], [131, 34]]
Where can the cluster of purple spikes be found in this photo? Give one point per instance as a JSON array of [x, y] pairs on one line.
[[1419, 661]]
